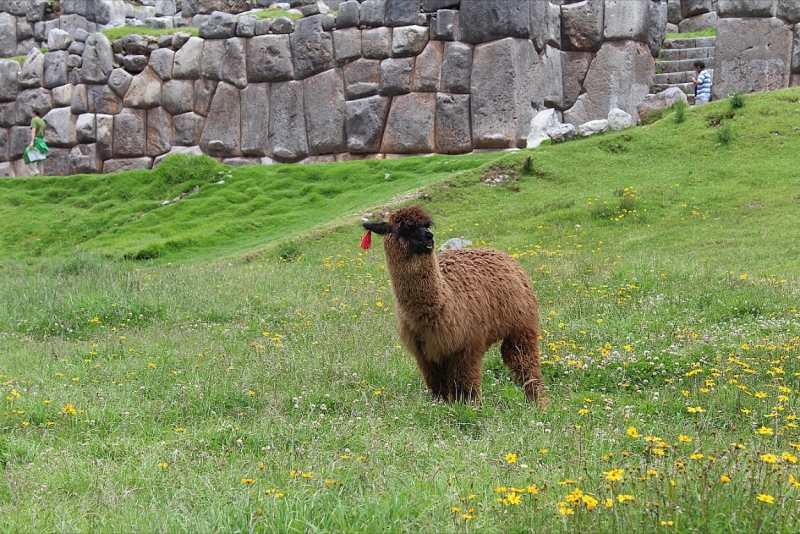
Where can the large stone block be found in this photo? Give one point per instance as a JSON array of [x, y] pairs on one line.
[[346, 45], [144, 91], [409, 40], [161, 62], [545, 24], [372, 13], [503, 74], [62, 95], [410, 125], [347, 16], [287, 122], [8, 35], [57, 162], [3, 145], [158, 132], [633, 66], [657, 27], [751, 55], [30, 99], [582, 25], [177, 96], [86, 128], [362, 78], [111, 166], [428, 68], [221, 134], [789, 10], [255, 119], [376, 43], [83, 159], [627, 20], [269, 59], [698, 22], [218, 26], [796, 50], [396, 76], [104, 128], [312, 48], [129, 133], [213, 58], [203, 95], [746, 8], [691, 8], [32, 70], [19, 137], [453, 133], [8, 114], [481, 21], [401, 12], [9, 80], [106, 12], [364, 122], [187, 61], [444, 25], [324, 104], [80, 99], [550, 85], [98, 59], [456, 67], [187, 129], [233, 68], [574, 66]]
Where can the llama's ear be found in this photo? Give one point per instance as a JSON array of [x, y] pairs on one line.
[[380, 228]]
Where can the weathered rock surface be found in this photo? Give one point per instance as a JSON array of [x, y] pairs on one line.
[[410, 124]]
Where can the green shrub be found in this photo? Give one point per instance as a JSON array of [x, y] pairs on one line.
[[680, 111], [725, 133], [737, 100]]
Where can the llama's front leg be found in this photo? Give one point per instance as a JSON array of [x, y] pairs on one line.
[[435, 377], [466, 374], [521, 356]]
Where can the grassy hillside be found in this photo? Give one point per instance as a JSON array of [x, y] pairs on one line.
[[248, 376]]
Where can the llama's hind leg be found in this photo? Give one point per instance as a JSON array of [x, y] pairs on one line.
[[521, 356]]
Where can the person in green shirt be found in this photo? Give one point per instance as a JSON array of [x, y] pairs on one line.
[[37, 150]]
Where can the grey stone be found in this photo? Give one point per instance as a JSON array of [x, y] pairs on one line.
[[541, 122], [221, 134], [24, 30], [376, 43], [746, 8], [8, 35], [165, 8], [189, 150], [104, 128], [85, 128], [144, 91], [32, 70], [362, 78], [312, 48], [190, 8], [444, 25], [106, 11], [634, 67], [372, 13], [452, 124], [691, 8], [269, 59], [179, 39], [213, 59], [796, 50], [582, 25], [434, 5], [9, 79], [119, 80], [80, 100], [324, 104], [287, 128], [19, 137], [111, 166], [60, 131], [593, 127], [627, 20], [674, 15], [282, 25], [502, 74], [409, 40], [698, 22], [255, 119], [401, 12], [177, 96], [428, 68], [347, 17], [158, 136], [3, 148], [660, 101], [328, 22], [751, 55], [135, 44], [103, 100], [789, 10], [218, 26], [364, 122], [8, 114], [76, 48], [62, 95], [203, 95], [30, 99], [161, 63], [58, 39], [396, 76], [83, 159], [242, 162], [481, 21], [262, 26], [346, 45], [6, 170], [456, 67], [97, 59], [187, 128], [550, 86], [233, 68], [129, 133], [657, 27], [246, 26], [134, 63], [57, 162], [561, 132], [187, 60], [159, 23]]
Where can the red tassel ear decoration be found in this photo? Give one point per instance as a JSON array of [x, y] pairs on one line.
[[366, 241]]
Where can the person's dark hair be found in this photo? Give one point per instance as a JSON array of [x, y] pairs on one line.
[[700, 64], [35, 112]]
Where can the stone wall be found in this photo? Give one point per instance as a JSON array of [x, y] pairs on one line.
[[376, 79]]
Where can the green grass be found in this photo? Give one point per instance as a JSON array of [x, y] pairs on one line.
[[117, 33], [255, 383], [708, 32], [273, 13]]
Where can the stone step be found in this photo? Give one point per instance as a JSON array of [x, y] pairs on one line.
[[687, 88], [687, 53], [680, 65], [672, 78], [691, 42]]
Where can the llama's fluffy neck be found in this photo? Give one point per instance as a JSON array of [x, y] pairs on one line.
[[420, 291]]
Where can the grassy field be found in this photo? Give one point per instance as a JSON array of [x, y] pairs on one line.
[[244, 374]]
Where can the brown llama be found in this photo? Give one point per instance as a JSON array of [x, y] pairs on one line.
[[450, 309]]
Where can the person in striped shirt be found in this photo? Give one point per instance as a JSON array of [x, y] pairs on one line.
[[702, 84]]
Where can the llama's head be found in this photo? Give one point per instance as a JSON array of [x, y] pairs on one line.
[[407, 228]]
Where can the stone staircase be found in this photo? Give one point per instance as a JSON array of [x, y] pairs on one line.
[[675, 63]]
